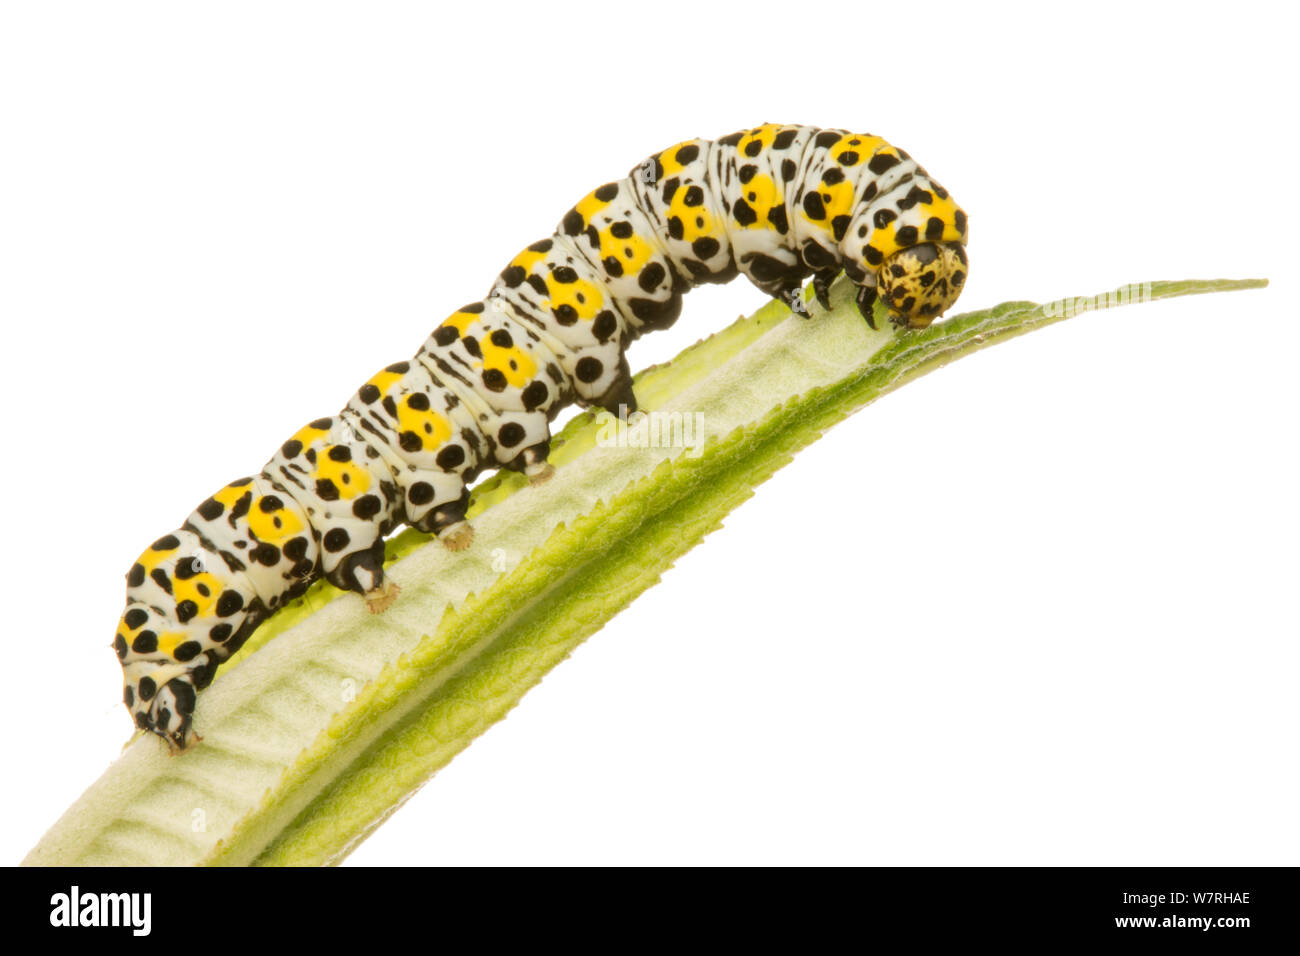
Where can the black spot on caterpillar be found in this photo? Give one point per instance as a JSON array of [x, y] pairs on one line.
[[775, 203]]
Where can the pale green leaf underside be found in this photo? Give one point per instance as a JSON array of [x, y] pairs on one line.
[[318, 735]]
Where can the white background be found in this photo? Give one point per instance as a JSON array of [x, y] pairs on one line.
[[1068, 637]]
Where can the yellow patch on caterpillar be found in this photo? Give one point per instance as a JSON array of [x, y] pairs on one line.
[[696, 220], [632, 252], [591, 204], [305, 436], [384, 380], [276, 525], [837, 200], [945, 209], [169, 641], [764, 135], [151, 559], [884, 241], [514, 363], [762, 195], [349, 478], [668, 158], [525, 260], [432, 429], [864, 145], [583, 297], [461, 321], [188, 590]]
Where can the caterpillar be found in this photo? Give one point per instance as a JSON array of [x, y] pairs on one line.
[[776, 203]]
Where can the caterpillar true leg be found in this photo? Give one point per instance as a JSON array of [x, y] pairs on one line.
[[792, 296], [866, 298], [822, 286], [776, 203]]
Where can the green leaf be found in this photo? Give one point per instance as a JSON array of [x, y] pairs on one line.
[[333, 717]]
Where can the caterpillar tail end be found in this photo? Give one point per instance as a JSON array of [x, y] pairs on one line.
[[382, 598]]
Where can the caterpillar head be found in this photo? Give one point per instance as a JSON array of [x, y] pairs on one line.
[[160, 697], [907, 241], [185, 613], [920, 283]]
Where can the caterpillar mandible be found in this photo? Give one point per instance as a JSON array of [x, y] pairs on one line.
[[775, 203]]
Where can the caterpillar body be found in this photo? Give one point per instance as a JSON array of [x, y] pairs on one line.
[[775, 203]]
